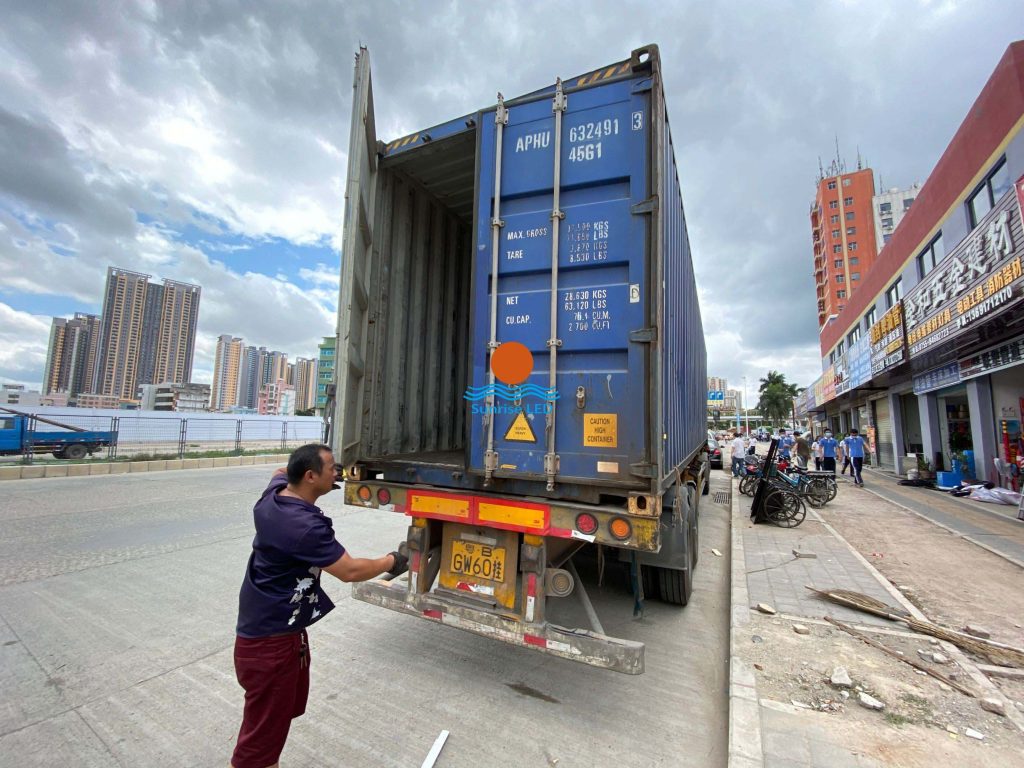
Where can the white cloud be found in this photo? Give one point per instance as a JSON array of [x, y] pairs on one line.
[[23, 341], [118, 130]]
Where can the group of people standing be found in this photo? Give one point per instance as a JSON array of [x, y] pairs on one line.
[[825, 450]]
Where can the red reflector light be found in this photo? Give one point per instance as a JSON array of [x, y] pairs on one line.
[[363, 492], [586, 523], [383, 496]]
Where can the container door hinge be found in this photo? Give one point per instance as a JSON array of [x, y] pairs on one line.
[[644, 335], [650, 205], [642, 469]]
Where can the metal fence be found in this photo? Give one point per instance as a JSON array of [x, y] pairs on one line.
[[178, 437]]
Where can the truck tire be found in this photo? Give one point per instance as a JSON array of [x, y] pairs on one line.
[[75, 451], [674, 585], [58, 454]]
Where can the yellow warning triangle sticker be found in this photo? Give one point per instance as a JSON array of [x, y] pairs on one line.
[[520, 431]]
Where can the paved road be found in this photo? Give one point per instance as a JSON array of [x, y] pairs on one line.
[[117, 606]]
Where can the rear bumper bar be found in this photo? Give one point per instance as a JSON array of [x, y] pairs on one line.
[[581, 645]]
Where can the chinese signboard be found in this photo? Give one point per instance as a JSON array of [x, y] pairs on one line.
[[981, 277], [828, 384], [842, 374], [937, 378], [859, 362], [993, 359], [887, 340]]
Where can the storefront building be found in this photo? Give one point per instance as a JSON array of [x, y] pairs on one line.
[[927, 359]]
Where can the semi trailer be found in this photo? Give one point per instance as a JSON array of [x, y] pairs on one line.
[[521, 368]]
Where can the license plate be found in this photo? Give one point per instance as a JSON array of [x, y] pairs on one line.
[[481, 561]]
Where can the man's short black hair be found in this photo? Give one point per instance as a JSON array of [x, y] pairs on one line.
[[853, 431], [304, 459]]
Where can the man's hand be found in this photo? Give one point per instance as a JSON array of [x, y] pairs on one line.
[[401, 560]]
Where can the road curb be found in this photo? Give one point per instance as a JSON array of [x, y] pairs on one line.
[[954, 531], [38, 471], [745, 745]]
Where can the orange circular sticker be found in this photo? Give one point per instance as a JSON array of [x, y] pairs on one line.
[[511, 363]]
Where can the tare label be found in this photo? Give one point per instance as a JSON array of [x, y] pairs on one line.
[[600, 430]]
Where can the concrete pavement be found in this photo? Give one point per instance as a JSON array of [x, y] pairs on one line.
[[992, 526], [117, 606]]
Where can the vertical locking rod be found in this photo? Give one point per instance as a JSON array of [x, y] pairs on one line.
[[558, 106], [491, 456]]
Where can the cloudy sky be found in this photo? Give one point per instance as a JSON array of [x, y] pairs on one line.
[[207, 141]]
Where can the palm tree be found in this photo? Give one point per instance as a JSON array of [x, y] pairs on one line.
[[776, 402]]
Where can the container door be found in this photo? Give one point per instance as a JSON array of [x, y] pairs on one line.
[[599, 236], [357, 246]]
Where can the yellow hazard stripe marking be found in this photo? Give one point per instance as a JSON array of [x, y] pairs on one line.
[[602, 74]]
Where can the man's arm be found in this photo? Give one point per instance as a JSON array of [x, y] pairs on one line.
[[348, 568]]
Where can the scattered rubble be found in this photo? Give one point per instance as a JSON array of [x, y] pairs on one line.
[[807, 555], [977, 631], [870, 702], [840, 678], [952, 729], [716, 553], [765, 608], [974, 734], [993, 705], [800, 629]]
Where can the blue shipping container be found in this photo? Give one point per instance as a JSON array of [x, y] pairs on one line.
[[438, 271]]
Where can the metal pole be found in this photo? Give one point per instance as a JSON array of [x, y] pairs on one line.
[[746, 406]]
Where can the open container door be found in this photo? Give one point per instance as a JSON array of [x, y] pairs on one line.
[[357, 247]]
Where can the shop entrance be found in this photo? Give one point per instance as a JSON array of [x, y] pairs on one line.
[[954, 424]]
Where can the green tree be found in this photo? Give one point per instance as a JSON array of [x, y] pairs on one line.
[[776, 401]]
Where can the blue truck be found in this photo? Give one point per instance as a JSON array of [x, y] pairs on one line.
[[521, 368], [19, 436]]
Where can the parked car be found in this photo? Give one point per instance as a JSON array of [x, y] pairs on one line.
[[714, 452]]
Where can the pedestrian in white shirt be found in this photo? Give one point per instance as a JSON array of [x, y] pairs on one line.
[[738, 449], [819, 453]]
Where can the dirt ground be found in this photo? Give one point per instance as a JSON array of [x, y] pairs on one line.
[[952, 581], [914, 729]]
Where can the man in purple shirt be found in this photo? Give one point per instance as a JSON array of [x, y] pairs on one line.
[[281, 596]]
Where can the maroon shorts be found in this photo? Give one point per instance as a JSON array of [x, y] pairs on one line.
[[274, 671]]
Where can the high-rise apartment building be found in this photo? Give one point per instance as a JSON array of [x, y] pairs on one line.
[[890, 208], [843, 234], [325, 371], [227, 364], [71, 356], [305, 384], [716, 383], [124, 305], [273, 366], [249, 377], [176, 341], [147, 333]]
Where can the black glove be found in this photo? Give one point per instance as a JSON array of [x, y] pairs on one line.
[[401, 561]]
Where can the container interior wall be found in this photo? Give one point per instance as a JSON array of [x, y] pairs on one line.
[[420, 325], [684, 374]]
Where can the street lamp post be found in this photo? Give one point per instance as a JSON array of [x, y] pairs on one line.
[[746, 406]]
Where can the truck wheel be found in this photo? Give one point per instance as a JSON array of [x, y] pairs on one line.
[[75, 452], [58, 454], [675, 586]]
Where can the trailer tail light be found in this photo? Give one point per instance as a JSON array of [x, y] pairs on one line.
[[383, 496], [364, 493], [620, 528], [586, 523]]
